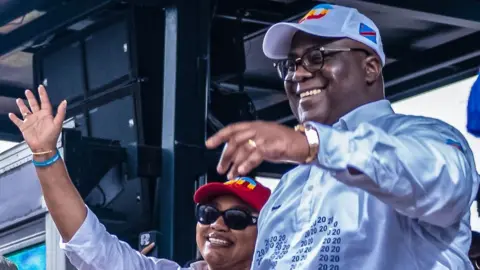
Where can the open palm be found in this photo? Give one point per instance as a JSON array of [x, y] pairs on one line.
[[39, 128]]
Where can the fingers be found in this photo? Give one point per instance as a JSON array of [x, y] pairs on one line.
[[17, 121], [22, 107], [225, 158], [253, 161], [32, 101], [61, 111], [241, 155], [238, 140], [45, 102], [148, 248], [226, 133]]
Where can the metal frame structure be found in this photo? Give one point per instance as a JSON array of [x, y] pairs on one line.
[[443, 52], [58, 18], [183, 123], [170, 78], [463, 14]]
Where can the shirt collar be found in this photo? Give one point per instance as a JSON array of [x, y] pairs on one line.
[[364, 113]]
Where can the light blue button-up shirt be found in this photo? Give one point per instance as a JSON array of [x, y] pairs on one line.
[[93, 248], [407, 210]]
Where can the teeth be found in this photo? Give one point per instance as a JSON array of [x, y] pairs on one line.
[[310, 93], [217, 241]]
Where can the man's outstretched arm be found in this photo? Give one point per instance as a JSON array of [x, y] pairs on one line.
[[424, 169]]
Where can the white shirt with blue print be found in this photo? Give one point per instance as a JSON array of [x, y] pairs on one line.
[[407, 210]]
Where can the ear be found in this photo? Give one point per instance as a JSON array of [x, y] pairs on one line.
[[373, 69]]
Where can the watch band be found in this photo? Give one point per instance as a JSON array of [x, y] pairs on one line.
[[312, 139]]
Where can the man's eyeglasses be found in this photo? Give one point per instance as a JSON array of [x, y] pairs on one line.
[[235, 219], [312, 61]]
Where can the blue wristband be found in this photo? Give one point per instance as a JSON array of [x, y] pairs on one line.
[[47, 162]]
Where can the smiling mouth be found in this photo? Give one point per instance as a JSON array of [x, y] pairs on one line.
[[309, 93], [216, 242]]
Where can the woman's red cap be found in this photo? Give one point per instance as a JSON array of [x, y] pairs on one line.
[[247, 189]]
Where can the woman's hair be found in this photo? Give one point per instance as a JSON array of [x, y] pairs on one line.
[[6, 264]]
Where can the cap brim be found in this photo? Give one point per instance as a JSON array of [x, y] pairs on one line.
[[212, 190], [278, 39]]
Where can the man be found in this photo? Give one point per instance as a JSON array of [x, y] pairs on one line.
[[6, 264], [374, 189]]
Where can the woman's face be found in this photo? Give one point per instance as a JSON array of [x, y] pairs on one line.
[[225, 248]]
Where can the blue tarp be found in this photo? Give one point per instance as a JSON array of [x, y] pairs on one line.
[[473, 110]]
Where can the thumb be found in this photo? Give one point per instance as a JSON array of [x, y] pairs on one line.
[[61, 111], [148, 248]]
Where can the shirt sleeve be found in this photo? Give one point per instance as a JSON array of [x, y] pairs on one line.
[[423, 169], [93, 248]]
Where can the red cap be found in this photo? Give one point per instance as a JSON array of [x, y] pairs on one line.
[[247, 189]]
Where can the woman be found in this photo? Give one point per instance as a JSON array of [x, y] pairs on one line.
[[226, 213]]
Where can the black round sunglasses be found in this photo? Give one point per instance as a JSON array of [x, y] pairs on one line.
[[235, 219]]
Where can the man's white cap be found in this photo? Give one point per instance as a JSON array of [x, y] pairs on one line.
[[324, 20]]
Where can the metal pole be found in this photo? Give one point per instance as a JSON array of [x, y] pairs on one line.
[[185, 88]]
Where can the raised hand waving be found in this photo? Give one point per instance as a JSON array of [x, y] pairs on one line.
[[39, 127]]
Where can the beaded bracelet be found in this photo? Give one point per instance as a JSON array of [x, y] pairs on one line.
[[47, 162]]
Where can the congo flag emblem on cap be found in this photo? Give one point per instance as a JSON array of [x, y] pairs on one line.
[[368, 32], [242, 182], [318, 12]]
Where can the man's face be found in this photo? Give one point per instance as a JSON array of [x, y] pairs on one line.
[[333, 91]]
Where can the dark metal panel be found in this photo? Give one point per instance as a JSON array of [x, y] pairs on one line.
[[146, 58], [8, 105], [8, 130], [104, 47], [12, 91], [256, 15], [184, 121], [276, 112], [429, 61], [54, 20], [276, 170], [115, 121], [62, 73], [463, 13], [16, 70], [12, 9]]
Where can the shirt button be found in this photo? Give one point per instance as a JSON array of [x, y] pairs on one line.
[[310, 188]]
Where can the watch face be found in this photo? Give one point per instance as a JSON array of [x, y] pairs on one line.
[[312, 136]]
